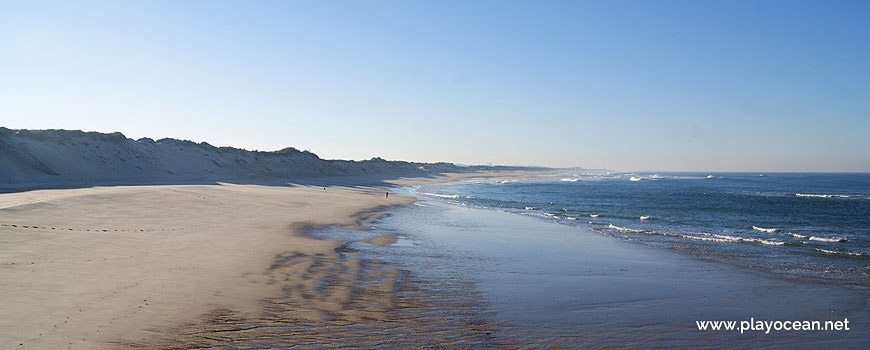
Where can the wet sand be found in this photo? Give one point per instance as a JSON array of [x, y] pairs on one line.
[[177, 266], [545, 284]]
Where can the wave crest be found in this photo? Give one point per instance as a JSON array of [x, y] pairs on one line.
[[840, 252], [827, 239], [762, 229], [623, 229], [451, 196], [823, 195]]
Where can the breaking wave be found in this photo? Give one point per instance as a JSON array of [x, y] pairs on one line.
[[822, 195], [827, 239], [623, 229], [840, 252], [702, 236], [762, 229], [450, 196], [733, 239]]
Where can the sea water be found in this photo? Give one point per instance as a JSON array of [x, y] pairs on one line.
[[803, 225], [542, 279]]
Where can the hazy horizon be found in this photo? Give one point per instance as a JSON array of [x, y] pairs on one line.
[[778, 86]]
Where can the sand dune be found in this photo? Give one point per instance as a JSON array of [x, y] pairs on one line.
[[71, 158]]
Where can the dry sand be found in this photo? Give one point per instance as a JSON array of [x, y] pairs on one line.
[[160, 266]]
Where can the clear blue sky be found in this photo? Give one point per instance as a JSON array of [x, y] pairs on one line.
[[629, 85]]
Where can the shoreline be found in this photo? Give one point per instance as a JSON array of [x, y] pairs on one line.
[[120, 266], [239, 266], [637, 233], [570, 286]]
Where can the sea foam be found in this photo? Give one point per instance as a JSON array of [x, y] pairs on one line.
[[762, 229], [451, 196], [827, 239], [735, 239], [840, 252], [623, 229], [822, 195]]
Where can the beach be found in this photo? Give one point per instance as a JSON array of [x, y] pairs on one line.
[[333, 262], [153, 266], [434, 175]]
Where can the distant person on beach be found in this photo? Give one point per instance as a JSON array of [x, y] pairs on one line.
[[388, 195]]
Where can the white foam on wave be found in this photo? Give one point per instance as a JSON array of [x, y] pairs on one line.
[[827, 239], [644, 217], [451, 196], [838, 252], [634, 178], [655, 176], [709, 176], [623, 229], [531, 208], [568, 179], [571, 218], [593, 215], [703, 236], [762, 229], [716, 237], [766, 242], [734, 239], [544, 215], [795, 235], [822, 195]]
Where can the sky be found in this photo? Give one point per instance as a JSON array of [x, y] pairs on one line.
[[624, 85]]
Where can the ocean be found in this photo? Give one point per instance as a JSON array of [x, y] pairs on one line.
[[567, 261], [803, 225]]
